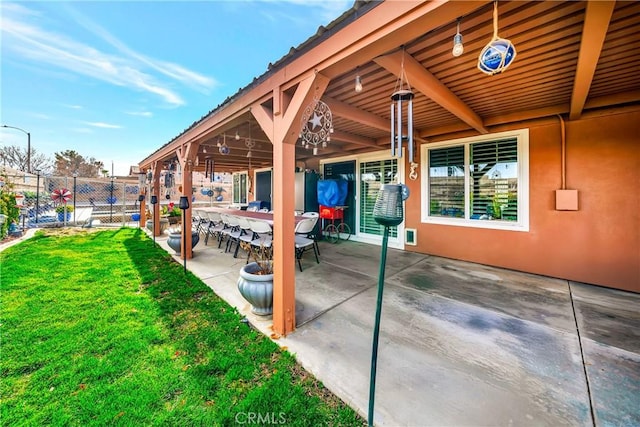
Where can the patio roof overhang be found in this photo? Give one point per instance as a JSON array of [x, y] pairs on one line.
[[573, 58]]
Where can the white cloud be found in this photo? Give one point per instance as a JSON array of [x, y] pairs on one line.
[[140, 113], [103, 125], [41, 116], [175, 71], [124, 67], [327, 9]]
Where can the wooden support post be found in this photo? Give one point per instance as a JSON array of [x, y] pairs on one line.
[[284, 278], [186, 156], [282, 128], [143, 212]]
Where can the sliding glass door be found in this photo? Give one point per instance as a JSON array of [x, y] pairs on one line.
[[365, 175], [372, 175]]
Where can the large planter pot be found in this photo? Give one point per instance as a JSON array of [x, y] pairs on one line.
[[175, 241], [257, 289], [173, 219], [164, 224]]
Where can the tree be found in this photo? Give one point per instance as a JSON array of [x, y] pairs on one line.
[[15, 157], [69, 161]]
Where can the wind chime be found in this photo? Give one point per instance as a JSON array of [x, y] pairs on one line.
[[316, 125], [209, 166], [149, 182], [401, 110], [169, 180], [499, 53]]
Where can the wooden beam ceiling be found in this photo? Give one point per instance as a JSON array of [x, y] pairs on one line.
[[596, 22], [354, 114]]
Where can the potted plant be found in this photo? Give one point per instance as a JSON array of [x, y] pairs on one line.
[[164, 222], [256, 281], [175, 239], [60, 211], [172, 213]]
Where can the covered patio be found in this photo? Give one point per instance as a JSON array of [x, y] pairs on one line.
[[461, 343], [569, 104]]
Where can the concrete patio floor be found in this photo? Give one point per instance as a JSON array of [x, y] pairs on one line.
[[460, 343]]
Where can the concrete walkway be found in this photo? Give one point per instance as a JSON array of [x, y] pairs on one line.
[[460, 343]]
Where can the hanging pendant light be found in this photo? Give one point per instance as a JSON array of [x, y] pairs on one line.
[[458, 48], [499, 53], [401, 110], [358, 85]]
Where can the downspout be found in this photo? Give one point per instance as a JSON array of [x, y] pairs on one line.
[[566, 200], [563, 153]]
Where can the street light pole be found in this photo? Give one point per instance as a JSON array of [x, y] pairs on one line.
[[28, 145]]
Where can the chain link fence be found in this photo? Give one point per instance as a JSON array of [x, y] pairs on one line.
[[76, 201], [54, 201]]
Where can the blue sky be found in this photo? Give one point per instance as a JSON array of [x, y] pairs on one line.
[[115, 80]]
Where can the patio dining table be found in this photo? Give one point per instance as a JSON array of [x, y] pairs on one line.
[[262, 216]]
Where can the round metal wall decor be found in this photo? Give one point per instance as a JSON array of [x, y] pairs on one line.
[[317, 126]]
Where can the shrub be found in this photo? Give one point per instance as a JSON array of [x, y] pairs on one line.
[[60, 208]]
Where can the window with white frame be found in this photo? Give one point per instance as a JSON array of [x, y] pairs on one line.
[[240, 190], [478, 182]]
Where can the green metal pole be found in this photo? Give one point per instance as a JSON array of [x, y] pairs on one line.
[[184, 242], [376, 327]]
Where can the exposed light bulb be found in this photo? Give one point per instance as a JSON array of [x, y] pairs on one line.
[[358, 87], [458, 48], [237, 136]]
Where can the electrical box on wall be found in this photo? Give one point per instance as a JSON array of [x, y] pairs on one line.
[[411, 236], [566, 200]]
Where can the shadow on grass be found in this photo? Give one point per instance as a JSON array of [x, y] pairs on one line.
[[243, 373]]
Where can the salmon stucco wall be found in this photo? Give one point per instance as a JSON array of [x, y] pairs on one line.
[[597, 244]]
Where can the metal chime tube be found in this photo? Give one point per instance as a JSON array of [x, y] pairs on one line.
[[410, 128], [399, 101], [393, 130]]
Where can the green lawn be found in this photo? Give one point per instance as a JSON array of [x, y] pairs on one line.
[[104, 328]]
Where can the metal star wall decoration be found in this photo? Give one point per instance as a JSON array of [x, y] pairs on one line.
[[316, 126]]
